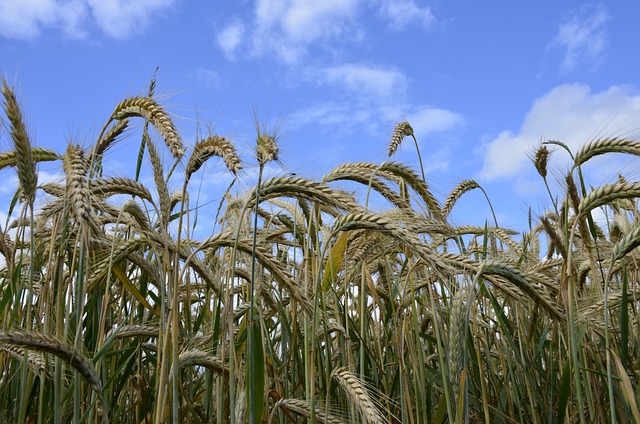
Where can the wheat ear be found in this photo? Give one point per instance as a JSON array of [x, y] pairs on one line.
[[456, 193], [149, 109], [199, 358], [45, 343], [119, 185], [76, 167], [302, 408], [40, 154], [353, 387], [213, 146], [606, 145], [626, 244], [402, 130], [608, 194], [24, 156]]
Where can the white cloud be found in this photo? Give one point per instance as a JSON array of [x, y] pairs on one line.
[[352, 117], [569, 113], [582, 37], [364, 81], [230, 37], [287, 28], [403, 12], [206, 77], [121, 18], [304, 21], [427, 120], [25, 19], [334, 116]]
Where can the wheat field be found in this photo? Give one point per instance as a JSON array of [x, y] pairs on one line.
[[306, 304]]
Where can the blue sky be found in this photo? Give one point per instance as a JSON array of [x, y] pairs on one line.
[[481, 82]]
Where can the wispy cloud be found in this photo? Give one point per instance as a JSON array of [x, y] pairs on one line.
[[116, 18], [25, 19], [402, 13], [230, 38], [288, 28], [569, 113], [343, 119], [427, 120], [582, 37], [371, 82], [208, 78], [120, 19]]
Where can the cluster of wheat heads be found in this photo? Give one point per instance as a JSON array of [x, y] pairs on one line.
[[306, 305]]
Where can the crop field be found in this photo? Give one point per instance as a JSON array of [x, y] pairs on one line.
[[306, 303]]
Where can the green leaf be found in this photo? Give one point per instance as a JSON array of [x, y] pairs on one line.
[[255, 373], [565, 390], [335, 259], [624, 319]]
